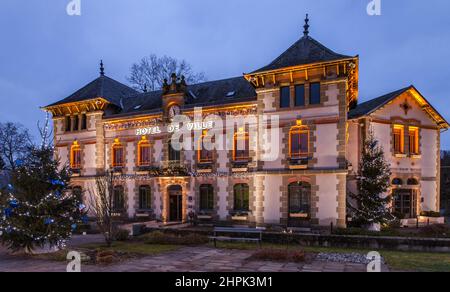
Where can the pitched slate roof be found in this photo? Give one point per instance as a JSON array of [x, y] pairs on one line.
[[370, 106], [305, 51], [105, 87], [220, 92]]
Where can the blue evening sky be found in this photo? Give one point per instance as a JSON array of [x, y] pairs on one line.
[[46, 55]]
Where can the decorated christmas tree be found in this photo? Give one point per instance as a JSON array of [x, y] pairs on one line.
[[37, 208], [370, 206]]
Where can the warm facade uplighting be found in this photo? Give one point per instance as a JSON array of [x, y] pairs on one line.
[[414, 141]]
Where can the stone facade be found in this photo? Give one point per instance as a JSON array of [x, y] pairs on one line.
[[321, 177]]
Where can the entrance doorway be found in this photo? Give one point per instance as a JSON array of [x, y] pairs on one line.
[[175, 203], [405, 203]]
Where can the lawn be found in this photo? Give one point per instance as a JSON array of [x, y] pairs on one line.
[[396, 260], [139, 248]]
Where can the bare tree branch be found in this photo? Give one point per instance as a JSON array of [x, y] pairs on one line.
[[149, 73]]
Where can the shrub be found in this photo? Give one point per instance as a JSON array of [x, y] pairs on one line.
[[278, 255], [122, 235], [159, 237], [437, 230]]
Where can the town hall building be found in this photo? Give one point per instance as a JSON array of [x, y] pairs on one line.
[[312, 92]]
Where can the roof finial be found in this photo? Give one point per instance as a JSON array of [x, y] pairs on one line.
[[102, 68], [306, 26]]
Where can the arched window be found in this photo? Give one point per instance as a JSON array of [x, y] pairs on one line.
[[118, 159], [206, 197], [118, 203], [300, 198], [204, 155], [241, 146], [75, 156], [299, 141], [397, 182], [145, 198], [241, 197], [144, 152], [413, 182]]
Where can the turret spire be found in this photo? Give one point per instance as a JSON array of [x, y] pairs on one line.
[[102, 68], [306, 26]]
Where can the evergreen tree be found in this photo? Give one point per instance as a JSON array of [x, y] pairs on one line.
[[373, 180], [38, 208]]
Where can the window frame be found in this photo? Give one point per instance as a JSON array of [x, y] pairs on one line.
[[303, 192], [75, 156], [237, 137], [241, 198], [148, 197], [118, 203], [285, 89], [299, 130], [414, 143], [202, 150], [312, 100], [398, 143], [209, 197], [117, 146], [144, 144], [296, 89]]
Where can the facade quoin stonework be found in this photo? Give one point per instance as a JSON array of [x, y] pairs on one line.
[[293, 167]]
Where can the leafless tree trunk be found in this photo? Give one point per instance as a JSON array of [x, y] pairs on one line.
[[150, 72], [102, 206]]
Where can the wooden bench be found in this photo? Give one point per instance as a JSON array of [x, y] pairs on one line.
[[241, 231]]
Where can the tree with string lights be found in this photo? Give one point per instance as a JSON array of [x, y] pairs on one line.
[[37, 209]]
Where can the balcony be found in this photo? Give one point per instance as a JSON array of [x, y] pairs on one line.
[[299, 162], [205, 167], [175, 168]]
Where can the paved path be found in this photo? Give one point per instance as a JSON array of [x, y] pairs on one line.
[[192, 259]]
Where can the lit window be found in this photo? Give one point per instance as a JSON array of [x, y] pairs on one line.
[[299, 141], [144, 152], [399, 139], [241, 146], [414, 140], [314, 93], [204, 155], [118, 154], [285, 97], [145, 198], [206, 198], [241, 197], [75, 156]]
